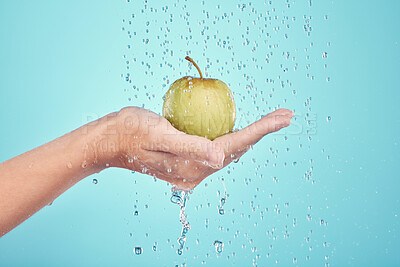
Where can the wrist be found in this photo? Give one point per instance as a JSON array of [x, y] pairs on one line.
[[102, 138], [115, 138], [127, 122]]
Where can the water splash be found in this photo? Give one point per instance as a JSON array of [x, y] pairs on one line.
[[180, 197]]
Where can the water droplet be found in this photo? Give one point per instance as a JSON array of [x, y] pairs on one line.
[[136, 213], [95, 181], [223, 201], [324, 54], [176, 199], [219, 246], [138, 250], [84, 164], [328, 119]]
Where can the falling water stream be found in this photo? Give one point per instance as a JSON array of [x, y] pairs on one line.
[[180, 197], [221, 210]]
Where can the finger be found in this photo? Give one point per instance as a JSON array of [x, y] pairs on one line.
[[180, 184], [235, 156], [190, 147], [171, 165], [195, 148], [280, 112], [174, 169], [237, 142]]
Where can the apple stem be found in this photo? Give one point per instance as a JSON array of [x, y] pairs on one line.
[[197, 67]]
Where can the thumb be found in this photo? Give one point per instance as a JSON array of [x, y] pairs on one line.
[[241, 140]]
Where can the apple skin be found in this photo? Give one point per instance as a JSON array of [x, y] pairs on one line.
[[198, 106]]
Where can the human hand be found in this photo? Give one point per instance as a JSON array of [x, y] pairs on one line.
[[148, 143], [135, 139]]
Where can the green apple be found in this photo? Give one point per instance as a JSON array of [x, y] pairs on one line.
[[199, 106]]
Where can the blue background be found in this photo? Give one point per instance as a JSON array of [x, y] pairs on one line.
[[321, 193]]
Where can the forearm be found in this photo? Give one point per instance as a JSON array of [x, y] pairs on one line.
[[34, 179]]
